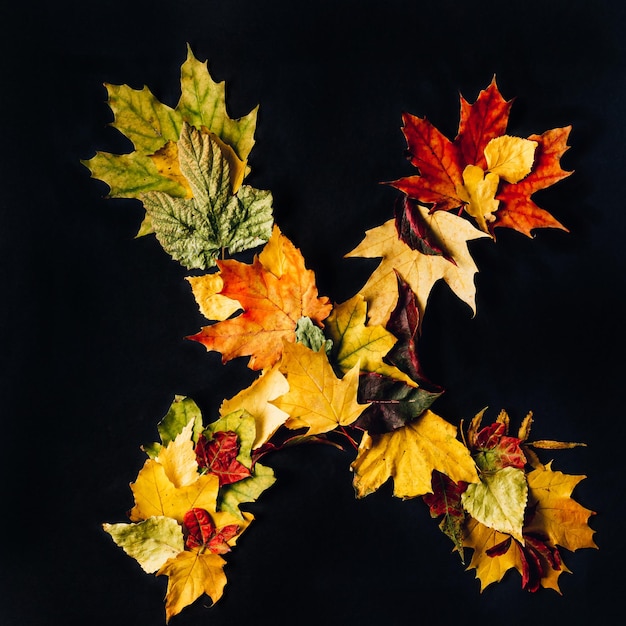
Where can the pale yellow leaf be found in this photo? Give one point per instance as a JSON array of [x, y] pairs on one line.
[[256, 400], [212, 304], [510, 158], [420, 271], [178, 458], [481, 191]]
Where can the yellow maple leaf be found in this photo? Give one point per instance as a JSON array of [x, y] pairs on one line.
[[492, 568], [489, 569], [420, 271], [557, 515], [256, 400], [190, 574], [316, 397], [355, 342], [156, 494], [409, 455]]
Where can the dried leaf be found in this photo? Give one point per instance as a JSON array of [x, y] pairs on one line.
[[419, 270], [409, 455], [275, 291], [316, 397]]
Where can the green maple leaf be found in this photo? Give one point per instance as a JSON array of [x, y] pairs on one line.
[[499, 500], [195, 231], [151, 542], [150, 125]]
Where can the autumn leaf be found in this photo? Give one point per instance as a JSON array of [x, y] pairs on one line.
[[392, 403], [356, 341], [316, 397], [218, 456], [156, 495], [517, 209], [150, 542], [420, 271], [178, 458], [499, 500], [150, 125], [556, 514], [191, 574], [484, 171], [181, 412], [409, 455], [242, 425], [445, 502], [482, 540], [274, 292], [256, 400], [247, 490], [196, 230]]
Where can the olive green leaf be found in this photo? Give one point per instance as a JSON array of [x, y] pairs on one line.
[[196, 231]]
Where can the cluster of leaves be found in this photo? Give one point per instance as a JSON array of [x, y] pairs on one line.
[[346, 373]]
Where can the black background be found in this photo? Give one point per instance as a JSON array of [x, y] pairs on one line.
[[93, 320]]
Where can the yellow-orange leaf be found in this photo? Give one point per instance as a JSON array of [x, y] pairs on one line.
[[275, 291], [256, 400], [316, 397], [212, 304], [420, 271], [557, 515], [190, 575], [489, 569], [409, 455], [156, 494]]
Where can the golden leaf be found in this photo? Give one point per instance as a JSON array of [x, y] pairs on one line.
[[409, 455], [316, 397]]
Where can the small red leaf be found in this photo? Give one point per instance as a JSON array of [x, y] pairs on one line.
[[219, 456], [198, 527], [218, 544]]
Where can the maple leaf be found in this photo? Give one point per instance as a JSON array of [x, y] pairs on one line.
[[556, 514], [355, 341], [316, 398], [494, 553], [194, 231], [483, 171], [420, 271], [517, 209], [274, 292], [150, 125], [190, 575], [409, 455], [150, 542]]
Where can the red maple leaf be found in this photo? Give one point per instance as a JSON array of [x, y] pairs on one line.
[[442, 162], [218, 456]]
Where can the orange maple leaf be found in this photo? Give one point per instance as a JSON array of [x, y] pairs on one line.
[[275, 291], [459, 174]]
